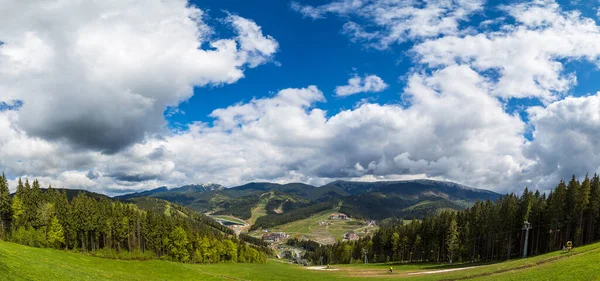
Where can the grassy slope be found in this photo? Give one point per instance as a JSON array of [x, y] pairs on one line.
[[309, 228], [19, 262], [229, 218]]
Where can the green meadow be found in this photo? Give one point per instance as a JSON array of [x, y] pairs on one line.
[[18, 262]]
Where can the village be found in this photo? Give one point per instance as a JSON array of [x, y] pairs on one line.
[[327, 228]]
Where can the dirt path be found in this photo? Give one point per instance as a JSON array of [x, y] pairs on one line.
[[442, 270], [320, 268]]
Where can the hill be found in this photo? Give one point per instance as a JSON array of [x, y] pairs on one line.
[[284, 202], [18, 262], [406, 199], [71, 193], [149, 229], [183, 190]]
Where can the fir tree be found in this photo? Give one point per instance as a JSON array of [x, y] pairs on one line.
[[5, 206], [452, 239]]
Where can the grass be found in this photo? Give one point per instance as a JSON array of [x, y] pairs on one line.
[[309, 228], [19, 262], [229, 218], [258, 211]]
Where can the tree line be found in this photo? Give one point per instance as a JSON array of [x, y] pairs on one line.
[[105, 227], [487, 231]]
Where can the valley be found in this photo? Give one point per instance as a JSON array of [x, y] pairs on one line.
[[302, 211]]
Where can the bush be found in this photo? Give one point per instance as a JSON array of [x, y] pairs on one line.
[[29, 236]]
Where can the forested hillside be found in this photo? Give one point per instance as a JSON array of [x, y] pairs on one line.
[[486, 231], [106, 227], [366, 200]]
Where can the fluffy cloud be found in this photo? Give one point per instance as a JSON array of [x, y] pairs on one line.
[[396, 21], [100, 74], [453, 123], [356, 84], [528, 56], [567, 139], [288, 138]]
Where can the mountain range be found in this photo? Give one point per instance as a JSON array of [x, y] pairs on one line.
[[282, 202]]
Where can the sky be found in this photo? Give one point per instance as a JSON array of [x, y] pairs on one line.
[[117, 96]]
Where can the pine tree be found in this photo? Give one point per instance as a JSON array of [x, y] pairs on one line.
[[56, 236], [526, 203], [452, 242], [594, 206], [45, 214], [18, 209], [34, 204], [178, 244], [581, 206], [572, 213], [20, 188], [5, 206], [395, 245]]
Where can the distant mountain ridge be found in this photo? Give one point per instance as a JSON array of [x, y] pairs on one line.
[[408, 198], [203, 187], [373, 200], [415, 187]]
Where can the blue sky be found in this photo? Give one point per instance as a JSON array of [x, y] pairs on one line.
[[123, 97], [316, 52], [313, 52]]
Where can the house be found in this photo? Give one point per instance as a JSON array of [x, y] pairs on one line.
[[339, 216], [350, 236]]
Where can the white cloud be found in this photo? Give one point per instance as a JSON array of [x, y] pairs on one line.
[[396, 21], [82, 67], [528, 56], [366, 84], [567, 139], [453, 124], [288, 138]]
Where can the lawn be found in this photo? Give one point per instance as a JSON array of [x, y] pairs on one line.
[[19, 262]]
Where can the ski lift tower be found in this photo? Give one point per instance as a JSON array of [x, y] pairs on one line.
[[526, 227]]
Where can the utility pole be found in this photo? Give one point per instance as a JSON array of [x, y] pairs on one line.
[[366, 252], [526, 227]]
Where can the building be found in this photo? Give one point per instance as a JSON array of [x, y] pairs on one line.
[[350, 236], [339, 216], [274, 237]]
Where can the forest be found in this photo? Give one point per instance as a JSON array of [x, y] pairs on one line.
[[487, 231], [111, 228]]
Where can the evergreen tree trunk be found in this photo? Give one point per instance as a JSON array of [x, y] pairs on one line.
[[537, 241], [82, 242], [580, 234], [139, 231], [509, 245]]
